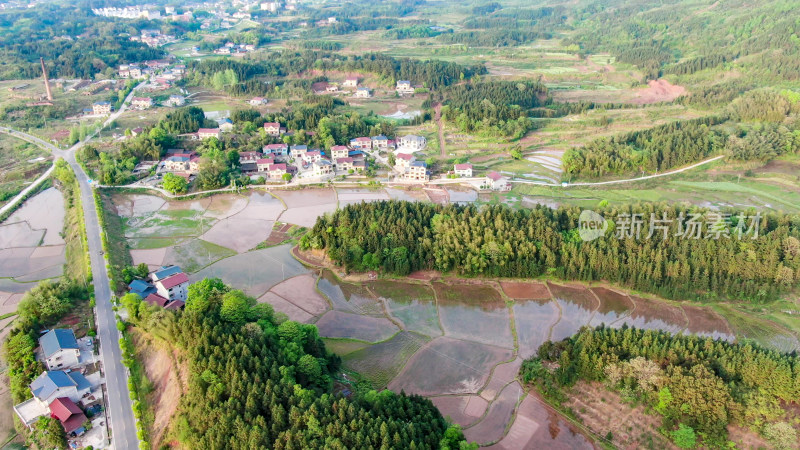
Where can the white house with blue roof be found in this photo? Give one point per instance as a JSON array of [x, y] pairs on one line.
[[60, 349], [48, 387]]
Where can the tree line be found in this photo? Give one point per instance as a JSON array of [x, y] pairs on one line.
[[675, 259], [697, 385], [258, 380], [499, 108]]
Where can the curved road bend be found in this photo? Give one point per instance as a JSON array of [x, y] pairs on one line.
[[120, 410]]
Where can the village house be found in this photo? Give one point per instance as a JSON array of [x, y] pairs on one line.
[[52, 387], [249, 157], [54, 384], [258, 101], [350, 82], [417, 171], [321, 168], [404, 87], [225, 125], [141, 102], [339, 151], [188, 163], [332, 88], [69, 414], [263, 164], [101, 108], [60, 349], [176, 100], [463, 170], [380, 142], [363, 92], [312, 156], [277, 171], [273, 128], [276, 150], [297, 151], [205, 133], [403, 161], [361, 143], [344, 164], [411, 142], [497, 182], [173, 287]]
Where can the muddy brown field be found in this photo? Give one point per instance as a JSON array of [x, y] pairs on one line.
[[603, 411], [527, 290]]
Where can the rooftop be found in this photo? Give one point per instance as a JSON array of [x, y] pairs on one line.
[[174, 280], [165, 271], [56, 340], [155, 299]]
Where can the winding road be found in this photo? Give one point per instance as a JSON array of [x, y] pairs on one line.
[[120, 411]]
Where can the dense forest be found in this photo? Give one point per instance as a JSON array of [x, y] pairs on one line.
[[676, 258], [432, 73], [655, 149], [258, 380], [697, 385], [497, 108]]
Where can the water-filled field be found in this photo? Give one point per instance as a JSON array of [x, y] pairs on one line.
[[460, 342], [31, 246]]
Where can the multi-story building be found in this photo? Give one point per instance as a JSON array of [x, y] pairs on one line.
[[463, 170], [60, 349]]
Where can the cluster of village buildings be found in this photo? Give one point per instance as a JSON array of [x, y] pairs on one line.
[[70, 390], [166, 287]]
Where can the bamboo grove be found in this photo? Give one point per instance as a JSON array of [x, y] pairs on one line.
[[400, 237], [696, 384], [258, 380]]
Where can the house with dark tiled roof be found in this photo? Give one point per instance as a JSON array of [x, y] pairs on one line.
[[141, 288], [58, 383], [60, 349], [49, 387]]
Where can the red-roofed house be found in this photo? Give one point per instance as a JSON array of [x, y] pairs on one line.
[[68, 413], [272, 128], [276, 149], [173, 287], [339, 151], [463, 170], [312, 156], [276, 171], [249, 157], [361, 143], [175, 305], [156, 300], [497, 182], [403, 161], [264, 163]]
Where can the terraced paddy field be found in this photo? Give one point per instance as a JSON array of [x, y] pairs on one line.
[[31, 247], [458, 342]]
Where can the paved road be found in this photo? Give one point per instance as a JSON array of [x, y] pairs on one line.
[[120, 411]]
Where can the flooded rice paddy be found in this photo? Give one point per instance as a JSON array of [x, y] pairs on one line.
[[459, 342], [31, 247]]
